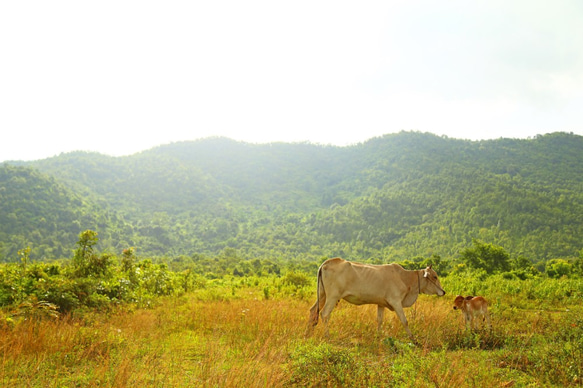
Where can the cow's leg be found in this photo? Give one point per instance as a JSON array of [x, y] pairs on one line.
[[312, 320], [315, 313], [380, 315], [327, 310], [401, 314], [317, 307], [315, 310]]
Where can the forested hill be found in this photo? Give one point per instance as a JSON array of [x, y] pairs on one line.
[[392, 197]]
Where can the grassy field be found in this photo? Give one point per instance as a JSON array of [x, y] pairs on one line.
[[236, 333]]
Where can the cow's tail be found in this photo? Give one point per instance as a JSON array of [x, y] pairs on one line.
[[315, 310]]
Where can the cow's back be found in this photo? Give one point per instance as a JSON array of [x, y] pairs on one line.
[[363, 283]]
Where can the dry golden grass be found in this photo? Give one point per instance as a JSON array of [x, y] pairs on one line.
[[247, 341]]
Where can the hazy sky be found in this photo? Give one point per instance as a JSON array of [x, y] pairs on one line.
[[119, 76]]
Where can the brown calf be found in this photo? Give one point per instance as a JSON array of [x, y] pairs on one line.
[[472, 307]]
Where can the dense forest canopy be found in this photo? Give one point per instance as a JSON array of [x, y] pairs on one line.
[[390, 198]]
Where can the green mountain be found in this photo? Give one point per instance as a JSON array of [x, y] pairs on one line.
[[392, 197], [38, 211]]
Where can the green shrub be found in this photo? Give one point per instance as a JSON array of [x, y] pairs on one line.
[[557, 268], [98, 301], [296, 279], [321, 365]]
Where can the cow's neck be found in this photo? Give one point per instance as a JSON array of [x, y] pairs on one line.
[[414, 288]]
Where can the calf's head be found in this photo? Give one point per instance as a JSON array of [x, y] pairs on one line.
[[458, 302]]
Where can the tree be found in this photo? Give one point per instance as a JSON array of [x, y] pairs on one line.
[[521, 263], [489, 257], [87, 240], [24, 258], [127, 259], [556, 268], [85, 261], [578, 264]]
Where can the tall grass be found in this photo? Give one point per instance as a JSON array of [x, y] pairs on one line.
[[236, 334]]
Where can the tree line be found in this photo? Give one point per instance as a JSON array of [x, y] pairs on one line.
[[92, 280]]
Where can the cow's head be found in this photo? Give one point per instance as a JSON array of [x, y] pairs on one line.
[[432, 284]]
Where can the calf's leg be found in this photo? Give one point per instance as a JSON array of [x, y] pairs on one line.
[[487, 318]]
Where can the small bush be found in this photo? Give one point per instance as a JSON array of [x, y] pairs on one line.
[[296, 279], [321, 365]]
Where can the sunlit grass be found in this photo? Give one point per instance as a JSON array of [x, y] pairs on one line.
[[234, 336]]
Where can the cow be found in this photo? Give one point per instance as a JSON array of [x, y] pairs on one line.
[[472, 307], [388, 285]]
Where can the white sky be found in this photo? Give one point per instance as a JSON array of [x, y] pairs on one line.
[[119, 76]]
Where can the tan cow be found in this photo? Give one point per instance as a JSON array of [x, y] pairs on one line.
[[389, 286], [472, 307]]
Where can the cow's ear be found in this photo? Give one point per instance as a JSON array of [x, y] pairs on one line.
[[430, 265]]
